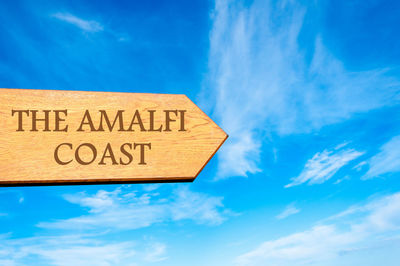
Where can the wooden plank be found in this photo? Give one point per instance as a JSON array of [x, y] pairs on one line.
[[69, 137]]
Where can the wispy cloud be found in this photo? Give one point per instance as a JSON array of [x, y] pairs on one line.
[[374, 222], [78, 250], [125, 209], [19, 196], [359, 166], [156, 252], [386, 161], [85, 25], [324, 165], [260, 81], [340, 180], [288, 211]]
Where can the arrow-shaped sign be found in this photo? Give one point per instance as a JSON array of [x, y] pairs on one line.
[[70, 137]]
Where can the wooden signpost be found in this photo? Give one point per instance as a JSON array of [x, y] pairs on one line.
[[69, 137]]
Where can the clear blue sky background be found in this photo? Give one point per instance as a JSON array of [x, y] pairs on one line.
[[308, 91]]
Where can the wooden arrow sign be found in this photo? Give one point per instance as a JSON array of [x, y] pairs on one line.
[[70, 137]]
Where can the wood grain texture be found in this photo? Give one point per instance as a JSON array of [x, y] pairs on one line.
[[27, 158]]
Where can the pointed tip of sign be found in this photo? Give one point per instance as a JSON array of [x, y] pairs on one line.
[[224, 138], [201, 111], [212, 155]]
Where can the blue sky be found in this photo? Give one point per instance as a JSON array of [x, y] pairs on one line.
[[308, 91]]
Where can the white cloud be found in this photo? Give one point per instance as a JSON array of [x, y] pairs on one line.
[[386, 161], [260, 82], [85, 25], [151, 187], [340, 180], [77, 250], [156, 252], [349, 231], [324, 165], [124, 209], [19, 196], [359, 166], [288, 211]]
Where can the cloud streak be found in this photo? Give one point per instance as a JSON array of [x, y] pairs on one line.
[[85, 25], [386, 161], [288, 211], [324, 165], [78, 250], [261, 83]]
